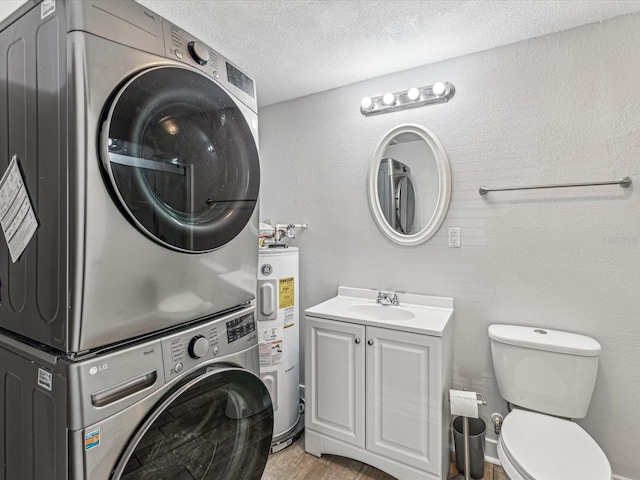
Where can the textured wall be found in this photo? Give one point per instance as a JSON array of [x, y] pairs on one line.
[[561, 108]]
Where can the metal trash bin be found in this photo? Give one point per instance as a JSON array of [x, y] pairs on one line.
[[477, 429]]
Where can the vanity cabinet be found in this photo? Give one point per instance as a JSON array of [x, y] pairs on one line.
[[378, 395], [335, 380]]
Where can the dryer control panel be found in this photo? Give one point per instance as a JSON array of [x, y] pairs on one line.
[[217, 338], [186, 48]]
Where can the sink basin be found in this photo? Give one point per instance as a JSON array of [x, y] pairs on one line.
[[416, 313], [380, 312]]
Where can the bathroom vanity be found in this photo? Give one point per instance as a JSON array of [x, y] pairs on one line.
[[377, 379]]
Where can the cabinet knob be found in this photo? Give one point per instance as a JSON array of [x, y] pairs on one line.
[[357, 340], [370, 342]]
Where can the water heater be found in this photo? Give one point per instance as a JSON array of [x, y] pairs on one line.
[[278, 330]]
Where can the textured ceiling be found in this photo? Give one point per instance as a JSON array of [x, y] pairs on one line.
[[295, 48]]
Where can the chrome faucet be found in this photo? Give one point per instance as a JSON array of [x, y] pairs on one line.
[[384, 298], [387, 299], [395, 300]]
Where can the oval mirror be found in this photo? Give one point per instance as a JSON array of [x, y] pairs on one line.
[[409, 184]]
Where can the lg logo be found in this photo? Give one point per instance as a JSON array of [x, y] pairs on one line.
[[98, 368]]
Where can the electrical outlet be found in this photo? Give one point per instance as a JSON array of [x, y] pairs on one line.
[[454, 237]]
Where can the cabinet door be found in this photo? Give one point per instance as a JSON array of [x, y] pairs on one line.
[[334, 377], [403, 398]]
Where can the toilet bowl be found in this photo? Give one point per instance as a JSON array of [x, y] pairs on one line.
[[534, 446]]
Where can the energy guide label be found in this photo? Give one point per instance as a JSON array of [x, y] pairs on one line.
[[286, 292], [17, 217]]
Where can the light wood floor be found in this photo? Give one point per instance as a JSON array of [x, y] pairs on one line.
[[293, 463]]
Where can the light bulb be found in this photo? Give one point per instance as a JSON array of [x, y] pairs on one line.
[[438, 88], [413, 94], [366, 103], [389, 99]]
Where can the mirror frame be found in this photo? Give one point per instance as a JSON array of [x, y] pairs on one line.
[[444, 185]]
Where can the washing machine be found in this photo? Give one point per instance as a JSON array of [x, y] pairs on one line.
[[138, 149], [184, 405]]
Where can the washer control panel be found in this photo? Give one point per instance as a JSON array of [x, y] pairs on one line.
[[198, 346], [240, 327], [217, 338]]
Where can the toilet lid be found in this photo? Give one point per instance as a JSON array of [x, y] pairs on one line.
[[550, 448]]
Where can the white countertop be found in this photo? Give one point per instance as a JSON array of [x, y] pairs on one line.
[[428, 315]]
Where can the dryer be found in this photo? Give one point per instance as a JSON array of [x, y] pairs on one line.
[[139, 150], [396, 195], [187, 404]]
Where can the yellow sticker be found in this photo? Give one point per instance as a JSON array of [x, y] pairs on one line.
[[286, 293]]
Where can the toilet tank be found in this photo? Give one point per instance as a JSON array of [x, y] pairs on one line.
[[545, 370]]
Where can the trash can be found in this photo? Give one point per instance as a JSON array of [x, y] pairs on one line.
[[477, 430]]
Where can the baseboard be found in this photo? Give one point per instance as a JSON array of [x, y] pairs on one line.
[[618, 477], [491, 451]]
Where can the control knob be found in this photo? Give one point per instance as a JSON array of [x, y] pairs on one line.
[[199, 52], [198, 346]]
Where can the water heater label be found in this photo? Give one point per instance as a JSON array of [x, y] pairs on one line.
[[289, 318], [270, 345], [17, 218], [286, 293]]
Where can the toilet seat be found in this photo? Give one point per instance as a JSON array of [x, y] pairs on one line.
[[541, 447]]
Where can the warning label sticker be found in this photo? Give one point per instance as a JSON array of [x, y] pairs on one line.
[[47, 7], [92, 439], [270, 347], [45, 379], [17, 218], [286, 293], [289, 317]]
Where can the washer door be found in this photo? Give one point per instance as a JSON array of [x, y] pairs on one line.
[[216, 425], [181, 159]]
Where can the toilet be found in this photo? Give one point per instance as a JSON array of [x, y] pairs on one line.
[[548, 376]]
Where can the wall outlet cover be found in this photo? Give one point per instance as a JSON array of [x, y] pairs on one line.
[[454, 237]]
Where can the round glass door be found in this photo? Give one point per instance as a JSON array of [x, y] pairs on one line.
[[405, 206], [217, 425], [181, 158]]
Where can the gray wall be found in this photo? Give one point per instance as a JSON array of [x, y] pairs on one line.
[[561, 108]]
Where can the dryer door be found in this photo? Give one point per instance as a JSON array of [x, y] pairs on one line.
[[217, 424], [405, 205], [181, 159]]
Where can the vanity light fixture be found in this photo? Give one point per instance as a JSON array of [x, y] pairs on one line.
[[413, 93], [439, 92], [366, 103], [389, 99]]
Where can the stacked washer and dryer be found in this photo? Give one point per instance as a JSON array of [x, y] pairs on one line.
[[128, 339]]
